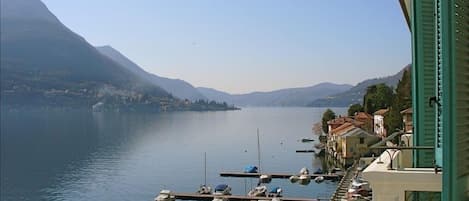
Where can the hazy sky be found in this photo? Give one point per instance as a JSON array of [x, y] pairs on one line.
[[248, 45]]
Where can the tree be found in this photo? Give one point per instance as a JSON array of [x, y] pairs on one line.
[[377, 97], [327, 116], [402, 100], [354, 109], [317, 128]]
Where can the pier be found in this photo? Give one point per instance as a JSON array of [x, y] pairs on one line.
[[278, 175], [306, 151], [195, 196], [341, 191]]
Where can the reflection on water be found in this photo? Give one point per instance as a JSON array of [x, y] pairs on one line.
[[77, 155]]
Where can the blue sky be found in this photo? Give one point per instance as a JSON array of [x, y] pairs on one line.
[[248, 45]]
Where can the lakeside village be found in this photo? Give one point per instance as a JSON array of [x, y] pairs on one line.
[[348, 146], [400, 145]]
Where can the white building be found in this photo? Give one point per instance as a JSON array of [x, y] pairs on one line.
[[378, 121]]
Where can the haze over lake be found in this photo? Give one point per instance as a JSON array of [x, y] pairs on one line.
[[54, 155]]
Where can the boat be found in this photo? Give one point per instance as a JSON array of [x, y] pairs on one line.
[[319, 179], [250, 169], [361, 184], [307, 140], [265, 179], [258, 191], [304, 179], [304, 170], [294, 179], [318, 171], [359, 188], [204, 190], [165, 195], [222, 189], [275, 192], [220, 199]]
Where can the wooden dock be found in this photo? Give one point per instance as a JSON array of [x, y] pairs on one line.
[[278, 175], [195, 196], [306, 151]]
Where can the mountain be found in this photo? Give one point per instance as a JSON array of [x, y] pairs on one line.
[[356, 93], [178, 88], [45, 63], [283, 97]]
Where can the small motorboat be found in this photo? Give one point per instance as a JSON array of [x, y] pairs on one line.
[[204, 190], [304, 171], [307, 140], [318, 171], [165, 195], [222, 189], [304, 179], [258, 191], [220, 199], [250, 169], [275, 192], [265, 179], [294, 179], [319, 179]]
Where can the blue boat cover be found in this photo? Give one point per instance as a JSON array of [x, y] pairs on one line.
[[221, 187], [274, 190], [318, 171], [250, 169]]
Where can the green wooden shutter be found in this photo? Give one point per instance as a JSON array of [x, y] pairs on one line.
[[439, 85], [456, 100], [423, 82]]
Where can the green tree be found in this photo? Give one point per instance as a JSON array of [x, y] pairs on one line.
[[402, 100], [354, 109], [377, 97], [327, 116]]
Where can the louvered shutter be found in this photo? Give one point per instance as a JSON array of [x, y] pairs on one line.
[[439, 85], [423, 45], [455, 100]]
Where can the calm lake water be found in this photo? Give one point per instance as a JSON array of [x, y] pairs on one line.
[[114, 156]]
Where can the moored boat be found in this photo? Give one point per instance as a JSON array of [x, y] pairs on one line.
[[165, 195]]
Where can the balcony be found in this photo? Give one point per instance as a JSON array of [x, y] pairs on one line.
[[391, 176]]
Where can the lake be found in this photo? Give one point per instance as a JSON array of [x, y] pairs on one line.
[[79, 155]]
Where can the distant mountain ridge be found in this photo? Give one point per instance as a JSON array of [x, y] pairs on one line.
[[45, 64], [356, 93], [177, 87], [284, 97]]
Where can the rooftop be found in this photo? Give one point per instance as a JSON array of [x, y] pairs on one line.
[[381, 112]]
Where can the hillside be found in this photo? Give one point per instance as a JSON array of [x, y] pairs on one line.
[[283, 97], [44, 64], [176, 87], [356, 93]]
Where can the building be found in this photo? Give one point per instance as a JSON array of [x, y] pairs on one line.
[[348, 142], [367, 119], [354, 144], [439, 146], [378, 123], [407, 120]]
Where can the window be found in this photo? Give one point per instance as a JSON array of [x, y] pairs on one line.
[[422, 195], [362, 140]]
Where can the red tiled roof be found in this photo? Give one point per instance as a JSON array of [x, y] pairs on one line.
[[407, 111], [343, 128], [381, 112], [363, 115]]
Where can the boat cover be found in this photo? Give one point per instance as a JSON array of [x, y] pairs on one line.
[[221, 187], [274, 190], [250, 169], [318, 171]]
